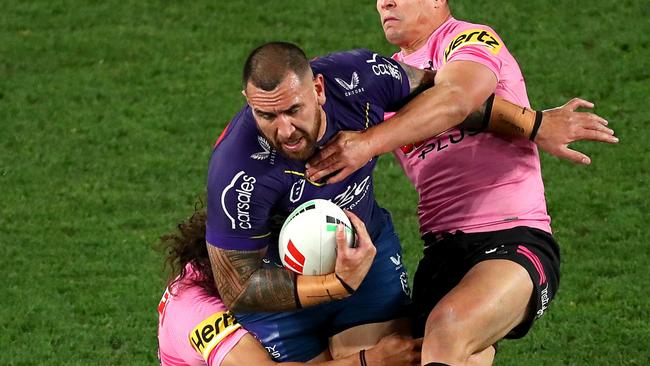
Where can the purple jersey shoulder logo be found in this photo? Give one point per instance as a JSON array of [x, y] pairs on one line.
[[384, 66]]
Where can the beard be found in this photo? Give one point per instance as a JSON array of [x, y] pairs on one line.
[[309, 138]]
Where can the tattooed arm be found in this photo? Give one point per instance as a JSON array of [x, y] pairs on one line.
[[244, 286]]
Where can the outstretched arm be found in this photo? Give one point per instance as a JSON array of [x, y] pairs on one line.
[[459, 94]]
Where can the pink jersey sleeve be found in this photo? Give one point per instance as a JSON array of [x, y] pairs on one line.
[[477, 43], [195, 328], [225, 346]]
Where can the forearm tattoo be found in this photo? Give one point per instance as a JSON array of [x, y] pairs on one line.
[[245, 286], [419, 80]]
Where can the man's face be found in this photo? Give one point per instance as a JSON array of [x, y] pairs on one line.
[[290, 116], [404, 20]]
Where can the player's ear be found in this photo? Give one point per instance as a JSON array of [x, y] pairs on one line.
[[319, 87], [243, 92]]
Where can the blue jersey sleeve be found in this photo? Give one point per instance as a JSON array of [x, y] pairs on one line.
[[241, 191], [365, 79]]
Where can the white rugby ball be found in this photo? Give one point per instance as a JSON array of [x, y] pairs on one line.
[[308, 237]]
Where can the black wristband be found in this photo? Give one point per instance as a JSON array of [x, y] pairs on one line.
[[538, 122], [487, 113], [362, 357], [347, 287], [295, 291]]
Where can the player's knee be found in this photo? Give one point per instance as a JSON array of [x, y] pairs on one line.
[[443, 317], [443, 321], [445, 331]]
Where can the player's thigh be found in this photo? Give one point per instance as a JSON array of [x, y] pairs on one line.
[[490, 300], [365, 336]]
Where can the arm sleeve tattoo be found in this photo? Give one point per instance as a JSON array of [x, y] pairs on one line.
[[419, 80], [245, 286]]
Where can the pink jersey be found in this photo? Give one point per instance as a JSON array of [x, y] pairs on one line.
[[467, 181], [194, 327]]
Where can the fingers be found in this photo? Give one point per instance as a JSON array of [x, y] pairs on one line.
[[323, 168], [323, 158], [358, 225], [338, 177], [597, 126], [363, 238], [597, 118], [596, 135], [576, 103], [317, 175], [574, 156], [341, 243]]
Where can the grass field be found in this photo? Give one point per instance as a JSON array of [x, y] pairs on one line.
[[108, 110]]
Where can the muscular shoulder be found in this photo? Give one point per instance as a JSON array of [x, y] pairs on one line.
[[360, 79], [245, 178], [242, 144], [242, 149]]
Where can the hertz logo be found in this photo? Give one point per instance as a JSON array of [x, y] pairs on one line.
[[210, 332], [469, 37]]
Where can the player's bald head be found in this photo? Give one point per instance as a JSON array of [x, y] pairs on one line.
[[268, 65]]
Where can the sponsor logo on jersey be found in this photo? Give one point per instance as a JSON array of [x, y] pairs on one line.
[[243, 188], [382, 66], [211, 331], [476, 37], [266, 153], [353, 194], [296, 191], [397, 261], [273, 352], [442, 142], [353, 86], [544, 297], [407, 149], [404, 281]]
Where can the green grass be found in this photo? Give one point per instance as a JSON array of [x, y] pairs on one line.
[[108, 111]]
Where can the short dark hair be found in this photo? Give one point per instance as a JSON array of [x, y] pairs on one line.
[[268, 64]]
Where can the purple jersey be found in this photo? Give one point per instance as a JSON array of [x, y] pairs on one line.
[[249, 181]]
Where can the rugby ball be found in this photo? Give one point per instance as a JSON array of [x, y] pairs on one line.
[[307, 242]]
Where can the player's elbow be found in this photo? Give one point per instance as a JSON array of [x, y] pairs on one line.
[[237, 304], [245, 301], [458, 105]]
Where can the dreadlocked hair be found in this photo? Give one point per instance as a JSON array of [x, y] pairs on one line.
[[187, 245]]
